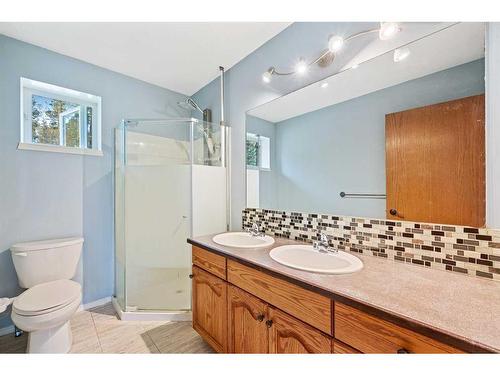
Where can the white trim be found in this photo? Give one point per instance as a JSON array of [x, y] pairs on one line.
[[162, 316], [6, 330], [96, 303], [59, 149], [29, 87]]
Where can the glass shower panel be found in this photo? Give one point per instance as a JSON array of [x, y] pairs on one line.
[[157, 205], [154, 169]]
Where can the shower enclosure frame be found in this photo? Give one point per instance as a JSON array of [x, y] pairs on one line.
[[121, 308]]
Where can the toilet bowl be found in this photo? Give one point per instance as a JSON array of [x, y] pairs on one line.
[[44, 311], [46, 307]]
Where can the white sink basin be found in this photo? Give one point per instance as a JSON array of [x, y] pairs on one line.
[[306, 258], [242, 240]]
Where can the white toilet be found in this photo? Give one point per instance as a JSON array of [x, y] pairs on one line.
[[44, 310]]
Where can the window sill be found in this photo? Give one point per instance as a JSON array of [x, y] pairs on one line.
[[60, 149]]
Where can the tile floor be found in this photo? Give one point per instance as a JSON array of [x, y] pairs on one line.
[[100, 331]]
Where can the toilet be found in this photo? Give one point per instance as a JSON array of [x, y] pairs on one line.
[[46, 307]]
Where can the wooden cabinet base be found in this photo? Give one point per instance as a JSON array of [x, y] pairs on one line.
[[257, 312]]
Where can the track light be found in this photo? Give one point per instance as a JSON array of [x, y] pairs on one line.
[[266, 77], [400, 54], [301, 67], [388, 30], [385, 30], [335, 43]]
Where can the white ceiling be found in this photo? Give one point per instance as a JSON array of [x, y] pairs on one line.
[[180, 56], [455, 45]]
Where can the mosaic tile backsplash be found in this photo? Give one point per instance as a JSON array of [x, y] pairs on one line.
[[465, 250]]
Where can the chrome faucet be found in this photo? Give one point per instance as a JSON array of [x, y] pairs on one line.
[[255, 231], [323, 244]]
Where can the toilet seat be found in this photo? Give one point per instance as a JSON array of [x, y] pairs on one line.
[[47, 297], [46, 305]]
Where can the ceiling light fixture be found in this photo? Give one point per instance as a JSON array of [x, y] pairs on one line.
[[335, 43], [385, 31], [324, 85], [388, 30], [266, 77], [400, 54]]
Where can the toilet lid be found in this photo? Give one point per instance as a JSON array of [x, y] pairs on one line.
[[47, 297]]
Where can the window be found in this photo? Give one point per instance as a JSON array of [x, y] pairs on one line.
[[258, 149], [57, 119]]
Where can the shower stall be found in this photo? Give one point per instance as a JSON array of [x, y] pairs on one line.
[[170, 184]]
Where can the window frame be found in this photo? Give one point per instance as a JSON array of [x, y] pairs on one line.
[[29, 87], [259, 152]]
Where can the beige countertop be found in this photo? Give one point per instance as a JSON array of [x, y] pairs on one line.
[[461, 307]]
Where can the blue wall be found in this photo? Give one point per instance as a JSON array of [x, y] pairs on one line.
[[342, 147], [48, 195]]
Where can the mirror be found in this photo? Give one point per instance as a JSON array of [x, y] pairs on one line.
[[400, 135]]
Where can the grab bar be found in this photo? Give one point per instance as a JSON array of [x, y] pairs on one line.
[[343, 194]]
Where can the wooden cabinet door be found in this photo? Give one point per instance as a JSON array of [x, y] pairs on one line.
[[288, 335], [210, 308], [247, 331], [435, 163]]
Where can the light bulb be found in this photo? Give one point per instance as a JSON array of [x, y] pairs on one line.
[[400, 54], [301, 67], [324, 85], [388, 30], [335, 43], [266, 77]]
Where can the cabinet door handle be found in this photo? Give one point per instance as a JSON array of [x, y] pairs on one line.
[[260, 317], [269, 323], [395, 212], [191, 276], [403, 351]]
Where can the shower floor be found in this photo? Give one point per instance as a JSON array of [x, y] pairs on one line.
[[158, 289]]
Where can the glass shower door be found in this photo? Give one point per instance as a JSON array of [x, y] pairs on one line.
[[157, 206]]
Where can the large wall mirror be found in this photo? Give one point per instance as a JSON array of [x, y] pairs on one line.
[[399, 135]]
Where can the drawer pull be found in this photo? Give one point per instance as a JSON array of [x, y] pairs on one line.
[[403, 351], [269, 323], [260, 317]]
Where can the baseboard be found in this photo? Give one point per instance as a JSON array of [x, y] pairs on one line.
[[96, 303], [164, 316], [6, 330]]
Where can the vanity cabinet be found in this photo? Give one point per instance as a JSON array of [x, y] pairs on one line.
[[238, 308]]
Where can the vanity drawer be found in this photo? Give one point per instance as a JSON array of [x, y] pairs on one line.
[[305, 305], [210, 262], [369, 334]]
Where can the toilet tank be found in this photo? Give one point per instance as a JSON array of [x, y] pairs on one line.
[[42, 261]]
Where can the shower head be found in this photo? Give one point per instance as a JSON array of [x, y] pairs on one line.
[[190, 104]]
